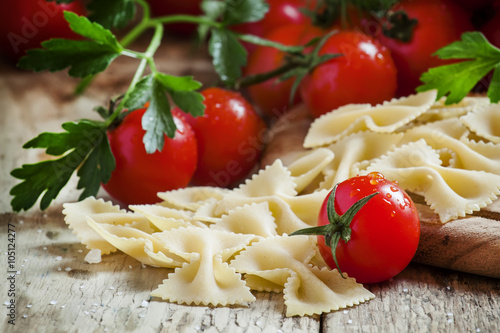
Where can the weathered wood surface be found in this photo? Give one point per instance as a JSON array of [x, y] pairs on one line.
[[57, 291]]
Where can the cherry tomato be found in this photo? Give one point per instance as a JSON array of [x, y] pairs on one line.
[[139, 176], [271, 96], [175, 7], [385, 232], [25, 24], [440, 22], [281, 12], [229, 136], [364, 74]]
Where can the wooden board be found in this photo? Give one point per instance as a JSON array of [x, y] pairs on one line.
[[57, 291]]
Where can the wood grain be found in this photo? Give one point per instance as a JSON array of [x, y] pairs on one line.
[[108, 297]]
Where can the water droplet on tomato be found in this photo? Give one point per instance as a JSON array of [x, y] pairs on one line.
[[354, 192], [373, 181], [388, 195], [394, 189], [393, 213], [402, 206]]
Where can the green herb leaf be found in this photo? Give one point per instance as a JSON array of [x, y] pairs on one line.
[[140, 94], [84, 144], [181, 89], [112, 13], [228, 55], [158, 120], [457, 79], [242, 11], [83, 57]]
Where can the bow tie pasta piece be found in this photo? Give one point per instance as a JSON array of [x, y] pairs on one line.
[[191, 198], [357, 147], [286, 219], [207, 278], [450, 192], [165, 218], [105, 212], [254, 219], [137, 244], [383, 118], [447, 134], [308, 167], [284, 260], [272, 180], [439, 110], [485, 122]]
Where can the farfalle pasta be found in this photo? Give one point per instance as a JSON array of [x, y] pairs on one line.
[[461, 142], [200, 231]]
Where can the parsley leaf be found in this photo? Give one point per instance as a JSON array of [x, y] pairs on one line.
[[83, 145], [112, 13], [457, 79], [83, 57], [242, 11], [158, 120], [228, 55]]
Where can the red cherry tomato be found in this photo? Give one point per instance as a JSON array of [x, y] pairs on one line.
[[271, 96], [229, 137], [364, 74], [440, 22], [167, 8], [139, 176], [24, 24], [281, 12], [385, 232]]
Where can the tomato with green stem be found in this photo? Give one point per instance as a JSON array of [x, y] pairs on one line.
[[368, 228], [25, 24], [273, 96], [365, 73], [439, 23], [139, 176], [229, 135]]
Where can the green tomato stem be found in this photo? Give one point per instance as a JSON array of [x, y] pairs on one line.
[[339, 226]]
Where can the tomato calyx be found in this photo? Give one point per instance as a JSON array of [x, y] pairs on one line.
[[398, 25], [339, 227]]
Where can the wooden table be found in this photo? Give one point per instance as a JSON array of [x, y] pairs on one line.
[[57, 291]]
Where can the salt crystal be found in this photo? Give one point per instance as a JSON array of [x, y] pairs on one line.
[[144, 304], [405, 290], [349, 321], [25, 316], [450, 320], [63, 306], [345, 311], [93, 257], [86, 312], [449, 314], [29, 306], [112, 288], [18, 272], [59, 269], [39, 231], [130, 266], [53, 302], [6, 303], [21, 221], [45, 248], [80, 251], [119, 293], [58, 258], [142, 315], [143, 266], [67, 269]]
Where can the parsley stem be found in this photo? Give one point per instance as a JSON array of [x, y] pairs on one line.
[[186, 19]]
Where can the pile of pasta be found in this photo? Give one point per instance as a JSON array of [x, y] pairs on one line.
[[224, 243], [219, 244], [449, 154]]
